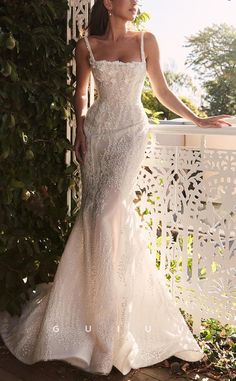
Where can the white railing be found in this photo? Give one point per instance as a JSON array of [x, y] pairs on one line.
[[187, 188], [187, 199], [77, 19]]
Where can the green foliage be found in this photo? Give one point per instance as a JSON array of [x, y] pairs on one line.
[[35, 102], [154, 107], [156, 110], [221, 95], [141, 19], [219, 344], [179, 80], [213, 57]]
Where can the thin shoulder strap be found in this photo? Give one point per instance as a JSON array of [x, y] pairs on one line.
[[142, 46], [89, 47]]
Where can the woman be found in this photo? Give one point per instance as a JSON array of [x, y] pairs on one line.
[[110, 39], [108, 305]]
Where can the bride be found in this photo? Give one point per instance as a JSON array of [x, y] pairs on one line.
[[108, 305]]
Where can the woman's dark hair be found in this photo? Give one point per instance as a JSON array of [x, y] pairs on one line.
[[98, 19]]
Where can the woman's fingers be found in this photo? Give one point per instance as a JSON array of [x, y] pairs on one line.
[[77, 154], [227, 123], [77, 150], [223, 122], [215, 121], [83, 147], [219, 119], [80, 148]]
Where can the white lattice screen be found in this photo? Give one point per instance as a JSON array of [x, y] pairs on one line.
[[190, 195]]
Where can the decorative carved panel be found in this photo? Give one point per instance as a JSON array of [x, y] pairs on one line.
[[188, 204]]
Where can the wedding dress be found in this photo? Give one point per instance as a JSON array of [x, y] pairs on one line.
[[108, 304]]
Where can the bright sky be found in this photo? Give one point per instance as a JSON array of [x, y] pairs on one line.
[[173, 20]]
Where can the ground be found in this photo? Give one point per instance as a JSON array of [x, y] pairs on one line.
[[13, 370]]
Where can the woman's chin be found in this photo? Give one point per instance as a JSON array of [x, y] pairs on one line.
[[132, 17]]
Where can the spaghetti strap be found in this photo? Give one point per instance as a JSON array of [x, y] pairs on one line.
[[142, 46], [89, 47]]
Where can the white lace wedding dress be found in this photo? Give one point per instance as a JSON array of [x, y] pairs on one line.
[[108, 304]]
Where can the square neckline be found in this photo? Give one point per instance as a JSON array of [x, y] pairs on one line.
[[118, 61], [92, 59]]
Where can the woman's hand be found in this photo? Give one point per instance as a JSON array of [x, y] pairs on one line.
[[80, 145], [212, 121]]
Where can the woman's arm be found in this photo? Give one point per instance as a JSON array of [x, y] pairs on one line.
[[80, 98], [82, 79], [163, 92]]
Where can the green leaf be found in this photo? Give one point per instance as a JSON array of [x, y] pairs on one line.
[[17, 183]]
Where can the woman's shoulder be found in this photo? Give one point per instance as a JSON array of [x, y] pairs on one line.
[[80, 46], [148, 36], [103, 37]]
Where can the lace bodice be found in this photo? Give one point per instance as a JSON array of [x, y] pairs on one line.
[[119, 85]]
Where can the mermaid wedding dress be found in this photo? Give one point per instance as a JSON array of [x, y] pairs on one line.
[[108, 304]]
